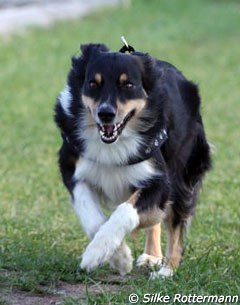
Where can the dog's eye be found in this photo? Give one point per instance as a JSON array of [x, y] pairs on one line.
[[93, 84], [128, 85]]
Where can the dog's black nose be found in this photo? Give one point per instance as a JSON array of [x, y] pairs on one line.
[[106, 113]]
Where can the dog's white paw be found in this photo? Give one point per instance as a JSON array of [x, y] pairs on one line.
[[110, 236], [148, 260], [122, 259], [100, 250], [165, 271]]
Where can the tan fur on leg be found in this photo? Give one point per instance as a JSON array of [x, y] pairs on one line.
[[174, 251], [153, 240], [174, 246], [152, 253]]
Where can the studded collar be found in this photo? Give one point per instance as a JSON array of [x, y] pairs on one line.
[[144, 154], [147, 152]]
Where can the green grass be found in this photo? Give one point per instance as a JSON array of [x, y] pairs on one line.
[[40, 237]]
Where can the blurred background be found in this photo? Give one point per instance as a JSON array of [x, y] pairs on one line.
[[40, 237]]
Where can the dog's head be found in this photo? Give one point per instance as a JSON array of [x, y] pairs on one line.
[[114, 88]]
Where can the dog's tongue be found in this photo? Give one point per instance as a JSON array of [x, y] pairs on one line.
[[108, 129]]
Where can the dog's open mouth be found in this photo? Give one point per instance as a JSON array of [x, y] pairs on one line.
[[109, 133]]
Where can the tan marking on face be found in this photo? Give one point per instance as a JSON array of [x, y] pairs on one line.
[[89, 103], [98, 78], [143, 125], [129, 105], [123, 78]]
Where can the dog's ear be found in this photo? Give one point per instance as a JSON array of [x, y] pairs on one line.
[[151, 74], [90, 50], [79, 63]]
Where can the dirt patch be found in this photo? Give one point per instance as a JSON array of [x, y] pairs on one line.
[[56, 296], [79, 290], [20, 298]]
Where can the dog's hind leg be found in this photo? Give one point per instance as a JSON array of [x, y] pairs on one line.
[[177, 218], [174, 249], [175, 244], [152, 253]]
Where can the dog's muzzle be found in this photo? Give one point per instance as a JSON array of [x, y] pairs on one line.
[[109, 132]]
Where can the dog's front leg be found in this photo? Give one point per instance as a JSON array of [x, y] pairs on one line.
[[127, 217], [110, 236], [87, 207]]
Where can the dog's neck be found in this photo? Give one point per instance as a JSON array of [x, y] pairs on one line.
[[145, 153]]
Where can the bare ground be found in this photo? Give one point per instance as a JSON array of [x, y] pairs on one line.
[[56, 296]]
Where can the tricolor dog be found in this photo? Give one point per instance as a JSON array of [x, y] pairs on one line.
[[133, 138]]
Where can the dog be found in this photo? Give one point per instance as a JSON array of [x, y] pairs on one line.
[[132, 137]]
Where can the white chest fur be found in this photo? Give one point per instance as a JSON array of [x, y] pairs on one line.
[[114, 181], [101, 167]]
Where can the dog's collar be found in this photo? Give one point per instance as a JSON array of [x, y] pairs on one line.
[[145, 153], [148, 151]]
